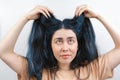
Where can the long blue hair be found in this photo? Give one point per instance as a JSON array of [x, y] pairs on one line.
[[40, 55]]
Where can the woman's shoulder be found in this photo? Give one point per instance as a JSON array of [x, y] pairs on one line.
[[98, 68]]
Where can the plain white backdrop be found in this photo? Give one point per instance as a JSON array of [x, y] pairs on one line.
[[12, 10]]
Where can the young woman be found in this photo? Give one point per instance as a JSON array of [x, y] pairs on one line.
[[61, 50]]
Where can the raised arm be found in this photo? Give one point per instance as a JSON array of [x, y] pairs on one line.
[[7, 44], [114, 54]]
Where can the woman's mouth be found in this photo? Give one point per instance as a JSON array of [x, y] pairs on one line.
[[65, 56]]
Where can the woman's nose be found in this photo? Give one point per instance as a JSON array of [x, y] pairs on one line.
[[65, 47]]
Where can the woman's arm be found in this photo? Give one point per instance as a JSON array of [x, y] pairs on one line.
[[114, 54], [7, 45]]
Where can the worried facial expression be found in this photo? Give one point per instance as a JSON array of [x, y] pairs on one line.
[[64, 45]]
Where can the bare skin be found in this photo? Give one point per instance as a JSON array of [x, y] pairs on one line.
[[10, 57], [114, 54], [7, 45]]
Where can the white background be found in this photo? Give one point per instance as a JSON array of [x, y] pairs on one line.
[[12, 10]]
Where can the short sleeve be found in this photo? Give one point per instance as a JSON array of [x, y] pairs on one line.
[[105, 70]]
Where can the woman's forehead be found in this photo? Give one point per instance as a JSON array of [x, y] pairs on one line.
[[64, 33]]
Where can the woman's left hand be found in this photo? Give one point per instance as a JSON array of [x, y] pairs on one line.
[[86, 10]]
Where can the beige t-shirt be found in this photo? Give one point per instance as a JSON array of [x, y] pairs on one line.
[[99, 69]]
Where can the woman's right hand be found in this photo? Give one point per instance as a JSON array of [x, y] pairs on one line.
[[35, 12]]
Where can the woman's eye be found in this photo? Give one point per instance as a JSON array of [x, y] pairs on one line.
[[59, 42], [71, 41]]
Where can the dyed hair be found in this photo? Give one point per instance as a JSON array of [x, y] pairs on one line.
[[40, 55]]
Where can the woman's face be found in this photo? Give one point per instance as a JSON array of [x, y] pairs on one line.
[[64, 45]]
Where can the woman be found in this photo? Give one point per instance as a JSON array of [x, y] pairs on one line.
[[66, 43]]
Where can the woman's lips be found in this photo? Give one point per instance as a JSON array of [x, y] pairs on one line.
[[65, 56]]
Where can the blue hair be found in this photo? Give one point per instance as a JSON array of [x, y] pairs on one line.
[[40, 55]]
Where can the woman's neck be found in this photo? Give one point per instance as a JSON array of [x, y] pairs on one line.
[[64, 67]]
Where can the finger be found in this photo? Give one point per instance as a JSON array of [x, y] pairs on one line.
[[42, 12], [78, 10], [46, 10], [82, 11], [51, 11]]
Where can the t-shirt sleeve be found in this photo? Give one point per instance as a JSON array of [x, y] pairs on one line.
[[105, 70]]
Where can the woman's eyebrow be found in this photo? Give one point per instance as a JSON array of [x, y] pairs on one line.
[[58, 38], [71, 37]]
